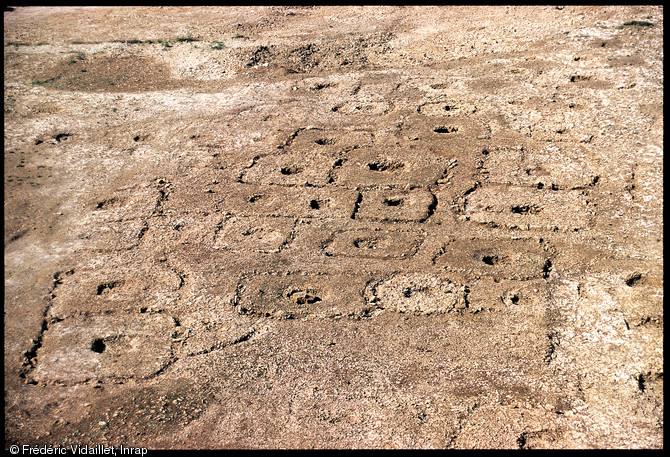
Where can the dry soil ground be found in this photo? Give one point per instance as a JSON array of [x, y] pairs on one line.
[[334, 226]]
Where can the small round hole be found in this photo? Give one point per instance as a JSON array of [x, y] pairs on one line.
[[290, 170], [98, 346], [393, 202], [489, 259]]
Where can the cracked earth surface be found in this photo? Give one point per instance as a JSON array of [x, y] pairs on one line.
[[292, 227]]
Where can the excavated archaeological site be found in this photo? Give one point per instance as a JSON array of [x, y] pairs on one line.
[[334, 227]]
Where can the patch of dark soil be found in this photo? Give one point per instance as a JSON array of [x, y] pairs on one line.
[[110, 74]]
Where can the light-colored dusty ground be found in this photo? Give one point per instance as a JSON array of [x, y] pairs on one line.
[[334, 227]]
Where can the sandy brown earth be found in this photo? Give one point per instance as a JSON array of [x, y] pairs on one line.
[[334, 227]]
